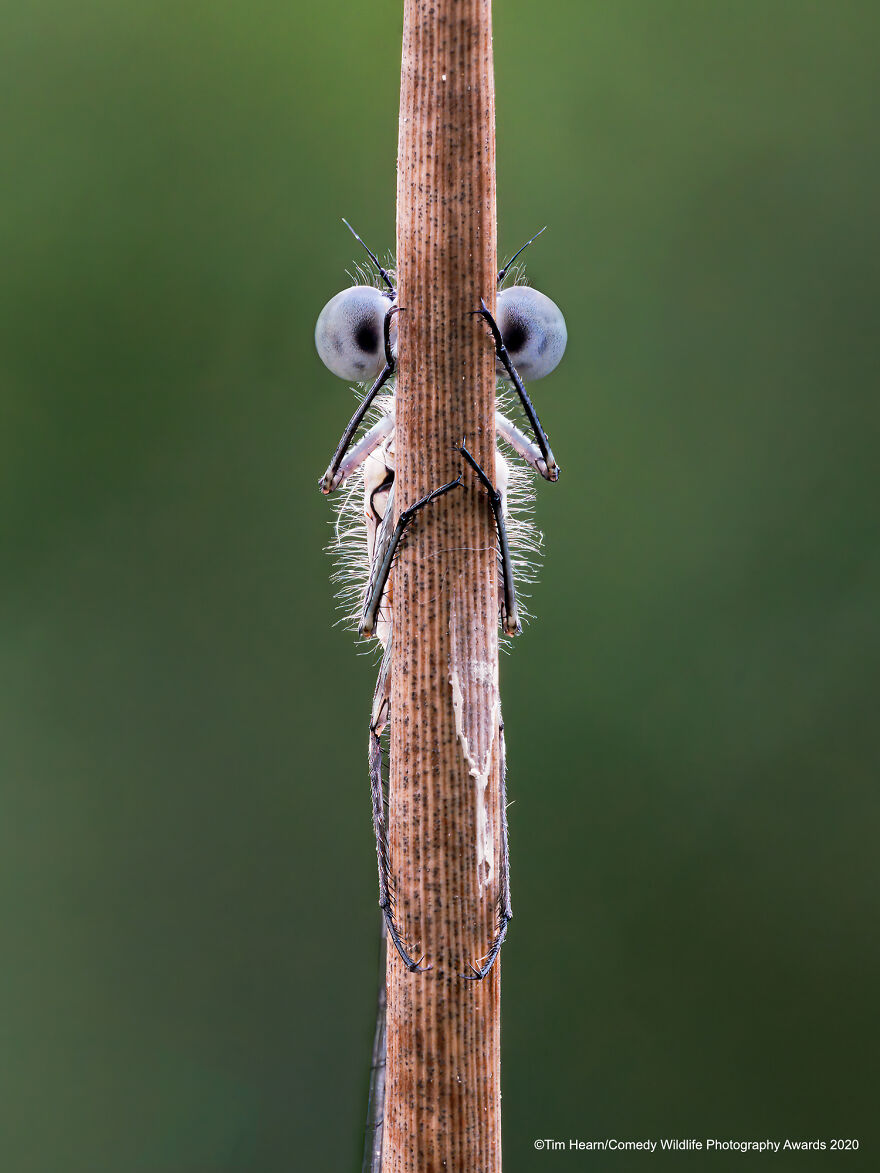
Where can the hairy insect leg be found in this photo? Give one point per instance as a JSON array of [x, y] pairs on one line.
[[510, 614], [379, 581], [378, 721], [505, 908], [550, 472], [333, 477]]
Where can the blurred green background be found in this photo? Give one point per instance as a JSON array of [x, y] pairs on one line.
[[188, 871]]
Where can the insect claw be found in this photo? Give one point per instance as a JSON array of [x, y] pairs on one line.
[[478, 972], [415, 966], [411, 965], [483, 312]]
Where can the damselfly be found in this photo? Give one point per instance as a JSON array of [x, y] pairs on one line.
[[356, 338]]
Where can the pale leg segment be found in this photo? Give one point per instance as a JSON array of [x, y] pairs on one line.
[[378, 433], [521, 444]]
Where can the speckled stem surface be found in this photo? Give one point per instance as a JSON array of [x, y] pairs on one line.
[[443, 1106]]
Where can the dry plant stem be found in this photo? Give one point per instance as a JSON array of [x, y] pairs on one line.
[[443, 1105]]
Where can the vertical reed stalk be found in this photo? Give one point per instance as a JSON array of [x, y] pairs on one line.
[[443, 1102]]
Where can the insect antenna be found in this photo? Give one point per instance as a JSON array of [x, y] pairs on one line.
[[502, 273], [383, 273]]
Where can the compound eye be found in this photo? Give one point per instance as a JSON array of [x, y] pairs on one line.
[[349, 336], [533, 330]]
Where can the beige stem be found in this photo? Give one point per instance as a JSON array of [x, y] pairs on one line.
[[443, 1107]]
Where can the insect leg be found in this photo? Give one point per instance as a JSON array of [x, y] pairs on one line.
[[510, 615], [331, 478], [378, 721], [551, 469], [505, 908], [378, 433], [520, 442], [372, 1162], [379, 582]]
